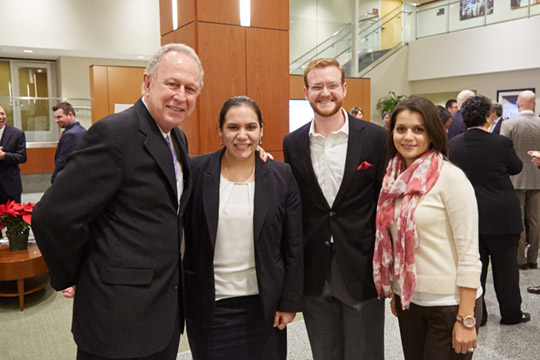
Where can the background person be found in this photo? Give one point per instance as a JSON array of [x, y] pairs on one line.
[[457, 127], [426, 249], [112, 222], [357, 112], [386, 119], [64, 115], [244, 249], [446, 118], [12, 153], [488, 160], [451, 106]]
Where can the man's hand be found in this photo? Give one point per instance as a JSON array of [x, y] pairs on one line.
[[281, 319], [2, 153], [535, 157], [264, 155], [69, 292]]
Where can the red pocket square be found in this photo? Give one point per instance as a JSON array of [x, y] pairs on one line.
[[364, 166]]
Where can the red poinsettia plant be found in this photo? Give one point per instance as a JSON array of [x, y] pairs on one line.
[[16, 217]]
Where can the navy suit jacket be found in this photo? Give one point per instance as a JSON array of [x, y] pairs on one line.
[[277, 229], [13, 143], [70, 138], [112, 225], [351, 219], [457, 127], [488, 160], [497, 128]]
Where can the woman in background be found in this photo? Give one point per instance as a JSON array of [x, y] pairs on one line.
[[488, 160], [446, 118], [243, 262], [426, 249]]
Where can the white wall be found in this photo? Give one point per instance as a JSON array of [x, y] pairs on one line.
[[91, 28], [390, 75], [507, 46]]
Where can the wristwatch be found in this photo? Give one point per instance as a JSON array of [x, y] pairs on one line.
[[467, 321]]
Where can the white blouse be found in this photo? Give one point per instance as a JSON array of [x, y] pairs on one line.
[[234, 254]]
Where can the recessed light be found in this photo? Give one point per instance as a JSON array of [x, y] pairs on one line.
[[28, 51], [140, 57]]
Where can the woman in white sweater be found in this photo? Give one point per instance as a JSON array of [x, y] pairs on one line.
[[426, 251]]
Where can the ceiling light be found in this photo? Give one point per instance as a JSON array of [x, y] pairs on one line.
[[28, 51], [245, 12]]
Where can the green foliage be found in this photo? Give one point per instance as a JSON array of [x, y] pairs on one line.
[[389, 102]]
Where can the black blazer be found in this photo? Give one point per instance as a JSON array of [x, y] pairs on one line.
[[497, 129], [13, 143], [71, 137], [488, 160], [111, 225], [277, 232], [351, 219]]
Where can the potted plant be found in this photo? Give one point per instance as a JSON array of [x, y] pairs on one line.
[[389, 102], [16, 218]]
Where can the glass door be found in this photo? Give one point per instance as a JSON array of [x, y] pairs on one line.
[[33, 84]]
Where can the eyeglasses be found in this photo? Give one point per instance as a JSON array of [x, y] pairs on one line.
[[330, 86]]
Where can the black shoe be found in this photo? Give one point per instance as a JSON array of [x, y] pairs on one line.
[[532, 265], [525, 317], [534, 289], [523, 266]]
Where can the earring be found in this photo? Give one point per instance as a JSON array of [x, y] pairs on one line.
[[260, 141], [221, 142]]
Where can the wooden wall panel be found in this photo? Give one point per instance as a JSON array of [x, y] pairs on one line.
[[124, 85], [296, 87], [272, 14], [168, 38], [222, 53], [358, 94], [99, 92], [268, 81], [165, 17], [187, 35], [219, 11], [186, 12], [39, 161]]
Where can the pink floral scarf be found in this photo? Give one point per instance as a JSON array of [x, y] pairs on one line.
[[410, 185]]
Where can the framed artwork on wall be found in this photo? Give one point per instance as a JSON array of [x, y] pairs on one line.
[[508, 99], [474, 8]]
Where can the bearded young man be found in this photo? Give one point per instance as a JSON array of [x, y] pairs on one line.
[[339, 163]]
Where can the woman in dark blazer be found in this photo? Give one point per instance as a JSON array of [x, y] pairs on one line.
[[243, 258], [489, 160]]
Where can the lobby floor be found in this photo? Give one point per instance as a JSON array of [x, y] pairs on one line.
[[42, 330]]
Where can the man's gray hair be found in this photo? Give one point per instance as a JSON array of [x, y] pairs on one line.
[[181, 48], [463, 96]]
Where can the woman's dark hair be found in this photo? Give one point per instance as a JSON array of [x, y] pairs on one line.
[[432, 123], [443, 114], [475, 110], [238, 101]]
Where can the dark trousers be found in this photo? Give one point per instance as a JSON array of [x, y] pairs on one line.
[[169, 353], [426, 331], [4, 196], [503, 252], [239, 332]]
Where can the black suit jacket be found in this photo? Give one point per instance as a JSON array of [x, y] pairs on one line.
[[457, 127], [13, 143], [111, 224], [71, 137], [351, 219], [277, 228], [488, 160], [497, 129]]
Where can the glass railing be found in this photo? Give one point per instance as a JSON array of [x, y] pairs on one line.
[[375, 36], [447, 16], [35, 117]]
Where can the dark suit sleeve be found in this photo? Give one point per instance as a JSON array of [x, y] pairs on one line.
[[18, 155], [292, 249], [60, 220], [67, 143], [515, 165]]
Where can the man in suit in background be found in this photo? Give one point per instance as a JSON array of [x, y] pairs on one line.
[[524, 130], [496, 114], [112, 223], [64, 115], [338, 162], [451, 106], [457, 127], [12, 153]]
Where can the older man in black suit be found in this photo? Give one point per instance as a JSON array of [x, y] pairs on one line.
[[338, 162], [112, 222], [12, 153]]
